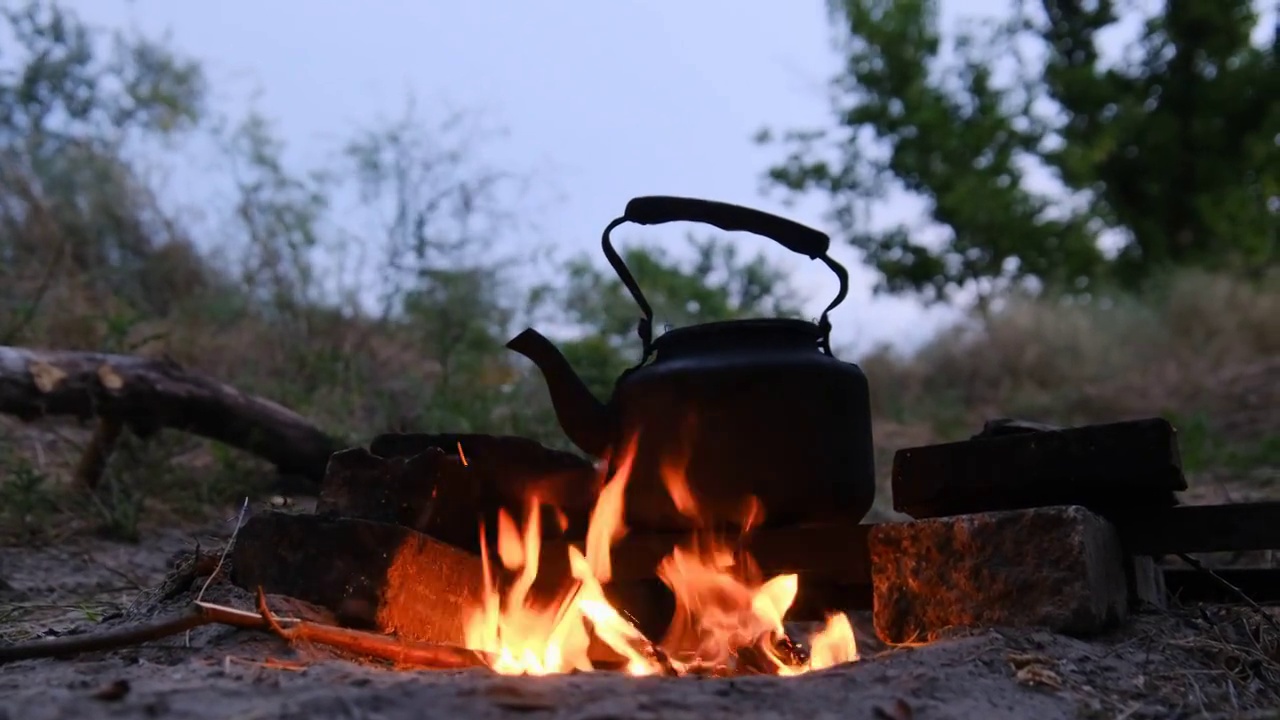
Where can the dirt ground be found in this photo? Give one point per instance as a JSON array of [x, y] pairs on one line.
[[1186, 663]]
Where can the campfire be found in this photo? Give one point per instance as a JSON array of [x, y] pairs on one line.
[[727, 620], [1022, 526]]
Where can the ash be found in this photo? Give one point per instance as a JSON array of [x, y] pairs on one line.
[[1190, 662]]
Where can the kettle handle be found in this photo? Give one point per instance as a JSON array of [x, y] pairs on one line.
[[659, 209]]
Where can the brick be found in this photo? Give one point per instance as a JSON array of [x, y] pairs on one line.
[[1060, 567]]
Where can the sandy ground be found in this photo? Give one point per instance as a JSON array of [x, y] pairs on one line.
[[1191, 662]]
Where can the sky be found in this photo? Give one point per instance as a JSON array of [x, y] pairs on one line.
[[602, 101]]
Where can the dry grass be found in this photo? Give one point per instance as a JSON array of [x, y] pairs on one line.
[[1193, 345], [1200, 349]]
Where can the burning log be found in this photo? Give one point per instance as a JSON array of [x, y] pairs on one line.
[[370, 575], [503, 472], [360, 485], [382, 572], [443, 485], [145, 395], [833, 552], [831, 561], [1117, 467]]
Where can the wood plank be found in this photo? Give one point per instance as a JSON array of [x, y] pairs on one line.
[[1229, 527], [1106, 468], [1262, 585]]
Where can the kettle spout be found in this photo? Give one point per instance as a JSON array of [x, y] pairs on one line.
[[584, 419]]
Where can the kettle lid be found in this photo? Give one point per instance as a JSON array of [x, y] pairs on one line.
[[745, 335]]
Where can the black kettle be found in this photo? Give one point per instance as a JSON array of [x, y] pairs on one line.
[[751, 415]]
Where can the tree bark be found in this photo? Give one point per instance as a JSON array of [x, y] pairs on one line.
[[147, 394]]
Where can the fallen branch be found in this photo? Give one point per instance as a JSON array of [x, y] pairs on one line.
[[197, 615], [147, 394], [383, 647]]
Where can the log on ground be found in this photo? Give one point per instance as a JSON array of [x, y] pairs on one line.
[[148, 394]]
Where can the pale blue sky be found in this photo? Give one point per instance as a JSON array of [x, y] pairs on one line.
[[604, 100]]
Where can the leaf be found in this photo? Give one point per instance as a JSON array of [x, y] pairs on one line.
[[1039, 675]]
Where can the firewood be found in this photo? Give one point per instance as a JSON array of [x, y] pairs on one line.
[[372, 575], [486, 472], [384, 647], [427, 655], [147, 394], [1110, 469]]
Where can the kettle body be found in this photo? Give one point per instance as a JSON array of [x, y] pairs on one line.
[[753, 422], [726, 424]]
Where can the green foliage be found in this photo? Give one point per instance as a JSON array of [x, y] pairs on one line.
[[68, 86], [1204, 448], [1172, 147], [26, 496], [278, 212]]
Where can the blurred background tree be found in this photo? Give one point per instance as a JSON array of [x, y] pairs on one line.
[[1037, 157], [373, 290]]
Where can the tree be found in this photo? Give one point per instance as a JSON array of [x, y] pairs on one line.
[[716, 284], [1170, 148], [73, 102]]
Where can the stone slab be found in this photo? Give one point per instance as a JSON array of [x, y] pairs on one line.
[[1062, 568]]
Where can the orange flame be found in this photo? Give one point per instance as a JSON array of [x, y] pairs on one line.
[[723, 609]]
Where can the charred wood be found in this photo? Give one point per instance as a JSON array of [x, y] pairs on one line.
[[1110, 469]]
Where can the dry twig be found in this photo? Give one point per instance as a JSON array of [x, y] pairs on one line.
[[383, 647], [1232, 588], [221, 559]]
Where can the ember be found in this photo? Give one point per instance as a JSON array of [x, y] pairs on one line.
[[728, 619]]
